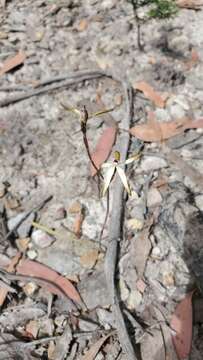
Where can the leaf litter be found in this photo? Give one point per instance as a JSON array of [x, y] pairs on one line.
[[65, 181]]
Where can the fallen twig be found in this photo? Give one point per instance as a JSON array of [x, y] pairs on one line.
[[115, 229], [69, 80], [37, 208]]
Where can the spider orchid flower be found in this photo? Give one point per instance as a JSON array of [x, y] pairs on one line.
[[112, 168]]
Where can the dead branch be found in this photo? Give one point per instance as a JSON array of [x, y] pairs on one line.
[[70, 80], [115, 230]]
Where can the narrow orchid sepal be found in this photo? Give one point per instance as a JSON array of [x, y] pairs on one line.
[[123, 178]]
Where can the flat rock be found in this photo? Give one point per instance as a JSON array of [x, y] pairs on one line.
[[153, 163], [66, 254], [93, 290]]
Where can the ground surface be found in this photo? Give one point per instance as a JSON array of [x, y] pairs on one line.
[[42, 154]]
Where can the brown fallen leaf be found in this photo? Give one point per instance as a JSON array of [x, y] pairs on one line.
[[150, 93], [11, 63], [103, 148], [157, 131], [181, 323], [55, 283], [10, 268], [190, 4], [93, 351]]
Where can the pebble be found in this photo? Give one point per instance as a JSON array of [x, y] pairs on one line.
[[156, 253], [32, 254], [87, 325], [134, 299], [4, 260], [153, 163], [168, 279], [23, 229], [46, 327], [106, 318], [30, 288], [22, 244], [2, 190], [41, 239], [199, 202], [154, 197]]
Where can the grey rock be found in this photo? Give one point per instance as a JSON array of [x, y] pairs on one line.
[[24, 228], [41, 239], [93, 290], [151, 163], [65, 254], [199, 201]]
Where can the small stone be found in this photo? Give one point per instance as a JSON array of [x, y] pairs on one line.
[[75, 208], [22, 244], [168, 279], [199, 201], [87, 325], [41, 239], [60, 320], [106, 318], [124, 291], [4, 261], [2, 190], [30, 288], [162, 115], [134, 299], [141, 286], [153, 163], [60, 213], [154, 197], [51, 349], [186, 154], [32, 254], [83, 24], [156, 253], [135, 224], [46, 327], [32, 327], [24, 228]]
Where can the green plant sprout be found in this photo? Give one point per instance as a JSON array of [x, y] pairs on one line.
[[159, 9]]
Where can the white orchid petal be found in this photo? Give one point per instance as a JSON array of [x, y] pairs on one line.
[[107, 165], [123, 178], [107, 179]]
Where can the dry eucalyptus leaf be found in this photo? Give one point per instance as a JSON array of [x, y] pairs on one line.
[[13, 62], [103, 148], [150, 93]]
